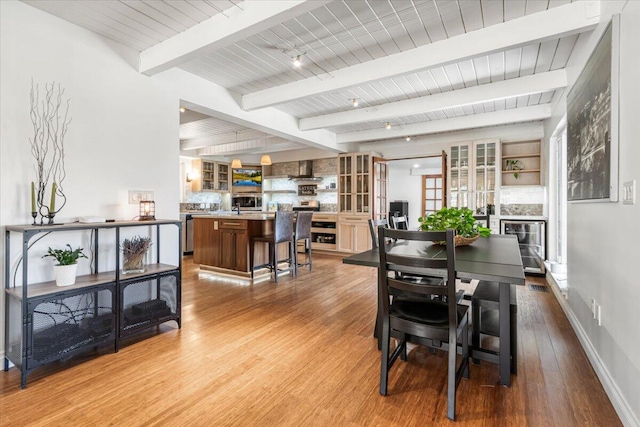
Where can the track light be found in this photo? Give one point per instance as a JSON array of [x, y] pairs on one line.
[[408, 139], [354, 102], [182, 109], [297, 62], [388, 126]]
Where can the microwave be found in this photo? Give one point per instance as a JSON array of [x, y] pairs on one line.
[[252, 202]]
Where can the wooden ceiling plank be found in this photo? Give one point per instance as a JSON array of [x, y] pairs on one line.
[[514, 9], [220, 31], [563, 52], [471, 12], [568, 19], [538, 83], [538, 112]]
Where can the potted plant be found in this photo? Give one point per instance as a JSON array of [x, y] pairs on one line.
[[460, 219], [514, 165], [65, 270], [134, 253]]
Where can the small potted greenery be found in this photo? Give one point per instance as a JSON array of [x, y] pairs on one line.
[[134, 253], [460, 219], [67, 267]]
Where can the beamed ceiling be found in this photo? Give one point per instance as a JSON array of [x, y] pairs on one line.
[[424, 66]]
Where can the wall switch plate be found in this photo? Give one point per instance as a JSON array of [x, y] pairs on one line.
[[136, 196], [599, 315], [629, 193], [593, 308]]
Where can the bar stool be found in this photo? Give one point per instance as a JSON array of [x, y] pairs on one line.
[[486, 317], [303, 232], [282, 233]]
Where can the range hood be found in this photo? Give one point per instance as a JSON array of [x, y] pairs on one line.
[[305, 171]]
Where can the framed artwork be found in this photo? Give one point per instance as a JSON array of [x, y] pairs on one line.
[[247, 177], [592, 124]]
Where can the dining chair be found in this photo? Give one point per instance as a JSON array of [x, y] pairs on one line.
[[373, 229], [484, 219], [433, 323], [282, 233], [303, 232], [486, 317], [400, 222]]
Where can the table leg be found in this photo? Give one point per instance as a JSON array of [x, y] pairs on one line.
[[505, 335]]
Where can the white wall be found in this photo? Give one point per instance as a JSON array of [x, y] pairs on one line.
[[124, 133], [405, 186], [603, 251]]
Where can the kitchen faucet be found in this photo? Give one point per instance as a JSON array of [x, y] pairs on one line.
[[238, 208]]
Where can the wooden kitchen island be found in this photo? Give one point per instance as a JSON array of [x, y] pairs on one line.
[[221, 242]]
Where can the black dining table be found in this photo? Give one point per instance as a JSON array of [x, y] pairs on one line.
[[495, 258]]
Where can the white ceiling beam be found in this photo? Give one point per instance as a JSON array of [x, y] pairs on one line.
[[227, 138], [515, 115], [554, 23], [247, 147], [521, 86], [244, 20]]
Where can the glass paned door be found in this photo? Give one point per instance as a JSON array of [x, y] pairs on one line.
[[433, 194], [381, 188]]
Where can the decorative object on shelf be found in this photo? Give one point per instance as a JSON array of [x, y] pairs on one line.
[[307, 190], [134, 254], [272, 206], [236, 164], [467, 228], [514, 165], [265, 160], [65, 270], [50, 119], [147, 210]]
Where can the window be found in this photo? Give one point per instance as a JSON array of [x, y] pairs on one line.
[[432, 194]]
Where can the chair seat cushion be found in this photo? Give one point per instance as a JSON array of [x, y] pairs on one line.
[[425, 312]]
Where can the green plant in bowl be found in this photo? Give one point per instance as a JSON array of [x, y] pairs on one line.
[[65, 256], [460, 219]]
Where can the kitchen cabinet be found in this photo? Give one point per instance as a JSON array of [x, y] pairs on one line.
[[46, 323], [472, 176], [234, 245], [206, 248], [212, 176], [521, 158], [353, 233], [363, 185], [323, 231]]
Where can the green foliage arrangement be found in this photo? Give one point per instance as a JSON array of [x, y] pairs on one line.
[[65, 256], [514, 165], [461, 220]]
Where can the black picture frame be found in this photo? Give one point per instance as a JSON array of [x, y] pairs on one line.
[[592, 124]]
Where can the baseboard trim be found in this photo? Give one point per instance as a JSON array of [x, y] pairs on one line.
[[620, 404]]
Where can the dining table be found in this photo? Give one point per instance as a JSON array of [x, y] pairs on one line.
[[495, 258]]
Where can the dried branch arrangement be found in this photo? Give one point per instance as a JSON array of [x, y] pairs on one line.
[[50, 119], [134, 251]]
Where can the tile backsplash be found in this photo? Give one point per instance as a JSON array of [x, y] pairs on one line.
[[522, 201]]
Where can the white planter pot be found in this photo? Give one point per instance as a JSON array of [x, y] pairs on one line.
[[65, 274]]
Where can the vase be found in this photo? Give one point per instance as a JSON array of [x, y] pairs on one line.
[[65, 274], [134, 263]]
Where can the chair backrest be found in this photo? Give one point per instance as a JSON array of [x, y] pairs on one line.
[[484, 219], [400, 222], [373, 229], [303, 225], [417, 264], [283, 226]]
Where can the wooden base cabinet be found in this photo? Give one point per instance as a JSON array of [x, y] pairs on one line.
[[46, 323], [353, 234]]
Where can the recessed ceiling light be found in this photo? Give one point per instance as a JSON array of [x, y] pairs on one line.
[[182, 109], [297, 62], [354, 102], [416, 165], [388, 126], [408, 139]]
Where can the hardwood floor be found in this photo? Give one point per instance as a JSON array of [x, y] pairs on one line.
[[302, 353]]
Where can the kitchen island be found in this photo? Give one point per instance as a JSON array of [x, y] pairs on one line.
[[221, 242]]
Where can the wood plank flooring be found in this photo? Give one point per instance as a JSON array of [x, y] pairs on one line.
[[301, 353]]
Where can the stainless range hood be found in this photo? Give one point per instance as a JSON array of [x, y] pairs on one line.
[[305, 171]]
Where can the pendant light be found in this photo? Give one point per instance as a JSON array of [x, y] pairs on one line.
[[236, 164], [265, 160]]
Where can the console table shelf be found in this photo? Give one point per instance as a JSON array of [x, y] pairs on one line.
[[45, 322]]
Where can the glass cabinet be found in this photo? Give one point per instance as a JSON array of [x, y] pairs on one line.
[[472, 176], [354, 183]]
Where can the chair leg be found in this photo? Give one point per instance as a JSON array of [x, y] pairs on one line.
[[252, 250], [465, 351], [475, 328], [310, 255], [514, 340], [274, 259], [293, 258], [403, 355], [295, 254], [451, 379], [384, 357]]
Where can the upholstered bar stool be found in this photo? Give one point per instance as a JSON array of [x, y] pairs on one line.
[[282, 233], [303, 232], [486, 318]]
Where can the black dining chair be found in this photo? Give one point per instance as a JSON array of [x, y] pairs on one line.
[[486, 317], [373, 229], [434, 323], [303, 232], [282, 233]]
